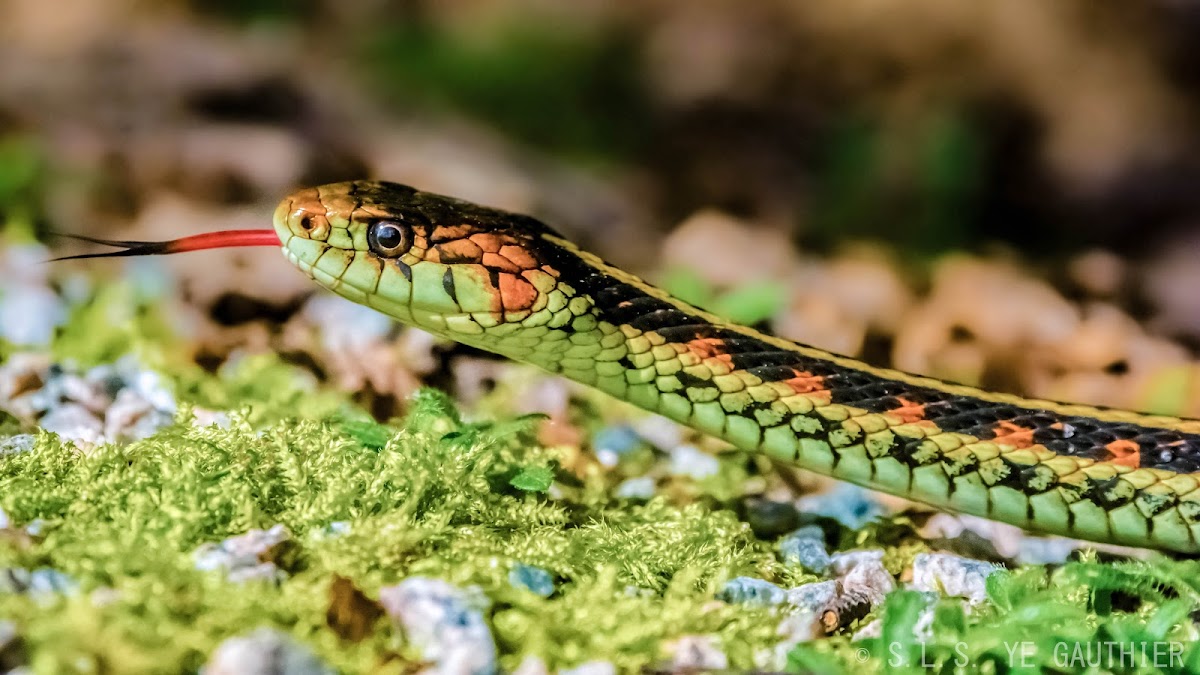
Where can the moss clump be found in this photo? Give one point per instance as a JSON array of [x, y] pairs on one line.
[[437, 498]]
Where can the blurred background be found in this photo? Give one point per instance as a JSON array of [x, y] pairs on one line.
[[1001, 192]]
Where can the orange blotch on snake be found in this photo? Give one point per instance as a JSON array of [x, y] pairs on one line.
[[487, 241], [805, 383], [909, 412], [446, 233], [516, 294], [309, 200], [1124, 452], [368, 213], [1010, 433], [459, 250], [497, 261], [309, 213], [710, 348], [519, 256]]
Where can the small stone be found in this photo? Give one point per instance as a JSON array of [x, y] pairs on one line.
[[105, 596], [531, 665], [811, 603], [952, 575], [345, 325], [862, 576], [690, 461], [814, 598], [107, 378], [202, 417], [266, 651], [29, 313], [661, 432], [132, 417], [798, 627], [73, 422], [611, 443], [255, 555], [697, 652], [848, 504], [20, 375], [43, 580], [1099, 272], [148, 385], [533, 579], [73, 388], [444, 622], [844, 561], [1047, 550], [47, 580], [267, 572], [805, 547], [691, 243], [12, 648], [14, 445], [770, 518], [752, 591], [640, 487]]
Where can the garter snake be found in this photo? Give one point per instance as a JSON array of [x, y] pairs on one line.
[[509, 284]]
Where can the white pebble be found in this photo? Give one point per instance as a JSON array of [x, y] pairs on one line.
[[266, 651], [29, 314], [688, 460], [697, 652], [73, 422], [246, 557], [640, 487], [444, 622], [531, 665], [952, 575], [17, 444]]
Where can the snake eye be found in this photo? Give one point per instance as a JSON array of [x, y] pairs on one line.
[[389, 238]]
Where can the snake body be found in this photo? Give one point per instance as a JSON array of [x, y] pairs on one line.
[[509, 284]]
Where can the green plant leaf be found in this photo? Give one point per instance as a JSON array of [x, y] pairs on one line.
[[533, 479]]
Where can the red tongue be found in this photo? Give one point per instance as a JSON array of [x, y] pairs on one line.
[[196, 242]]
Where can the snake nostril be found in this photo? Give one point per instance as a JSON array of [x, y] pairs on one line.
[[306, 223]]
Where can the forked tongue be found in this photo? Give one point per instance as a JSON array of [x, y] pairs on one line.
[[196, 242]]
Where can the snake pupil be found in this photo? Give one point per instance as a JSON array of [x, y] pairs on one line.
[[389, 238]]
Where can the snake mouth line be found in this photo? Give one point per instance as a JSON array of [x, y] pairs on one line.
[[336, 284]]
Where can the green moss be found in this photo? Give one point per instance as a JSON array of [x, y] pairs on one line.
[[436, 498]]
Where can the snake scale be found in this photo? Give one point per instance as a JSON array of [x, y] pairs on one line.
[[508, 284]]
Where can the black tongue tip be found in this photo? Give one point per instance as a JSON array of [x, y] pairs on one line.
[[131, 248]]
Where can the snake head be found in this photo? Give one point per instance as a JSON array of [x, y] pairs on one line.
[[448, 266]]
